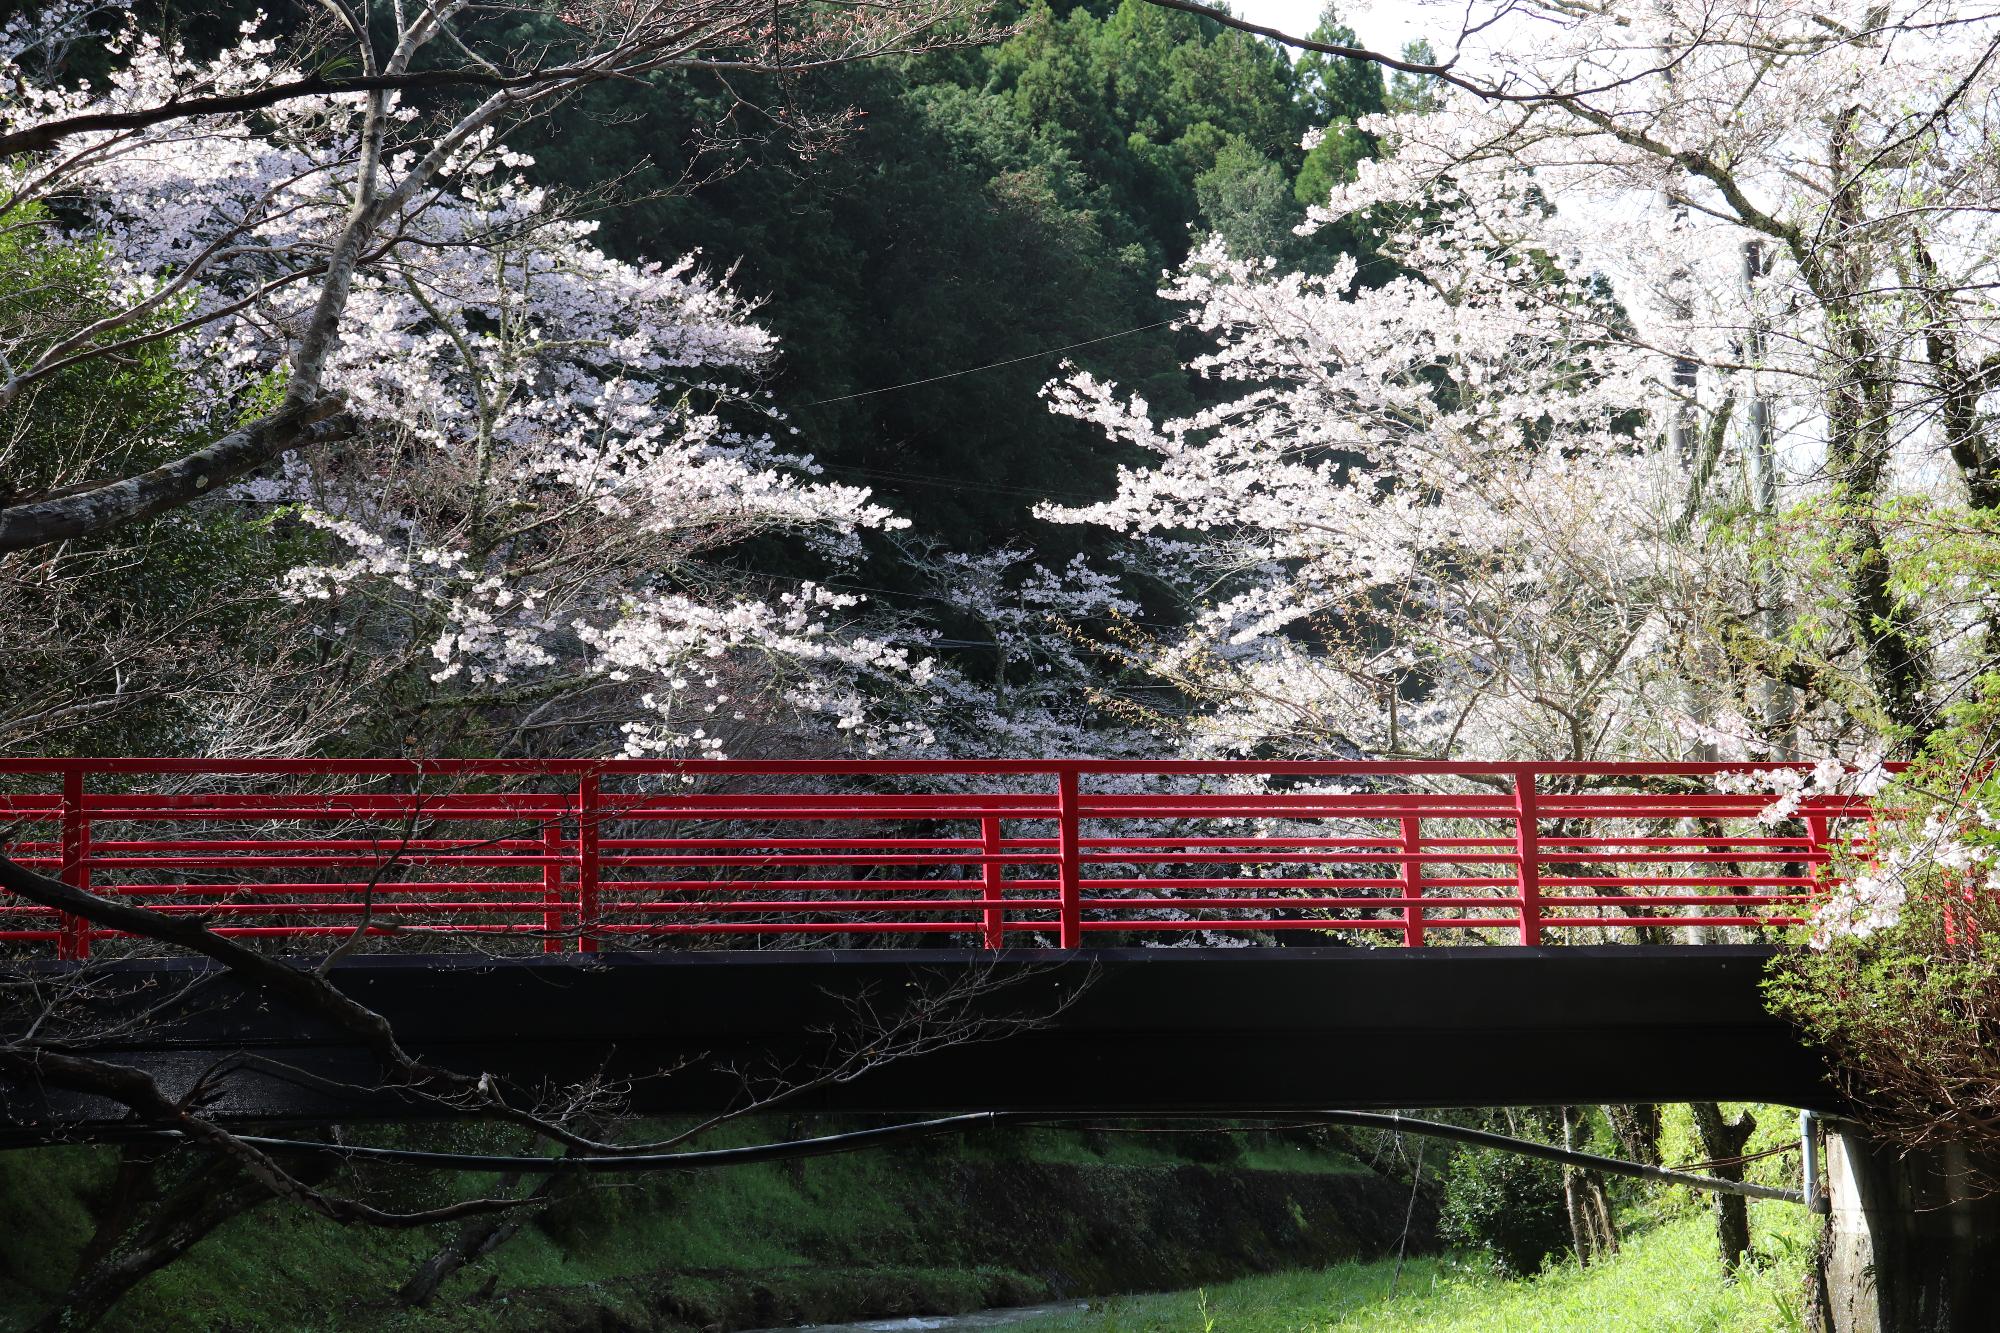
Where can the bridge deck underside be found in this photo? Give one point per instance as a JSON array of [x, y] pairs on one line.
[[1132, 1030]]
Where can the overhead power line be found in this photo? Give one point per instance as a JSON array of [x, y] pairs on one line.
[[828, 1144], [954, 484], [991, 365]]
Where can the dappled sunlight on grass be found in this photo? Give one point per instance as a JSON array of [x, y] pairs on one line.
[[1666, 1280]]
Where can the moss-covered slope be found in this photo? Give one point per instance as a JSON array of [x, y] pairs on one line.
[[1005, 1219]]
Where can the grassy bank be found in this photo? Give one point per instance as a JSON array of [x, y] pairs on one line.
[[1665, 1280], [944, 1227]]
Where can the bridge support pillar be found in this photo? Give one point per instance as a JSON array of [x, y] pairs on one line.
[[1912, 1245]]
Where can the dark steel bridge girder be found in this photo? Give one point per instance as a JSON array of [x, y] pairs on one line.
[[1202, 1030]]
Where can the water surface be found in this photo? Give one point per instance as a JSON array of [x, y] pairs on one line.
[[941, 1323]]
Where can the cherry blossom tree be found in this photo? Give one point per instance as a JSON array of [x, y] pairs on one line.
[[1691, 343], [506, 453], [1030, 681], [548, 443], [1792, 208], [245, 216], [1432, 511]]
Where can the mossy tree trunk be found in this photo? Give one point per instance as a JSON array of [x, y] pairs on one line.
[[1593, 1235]]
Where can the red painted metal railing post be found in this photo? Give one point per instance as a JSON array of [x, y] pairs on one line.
[[586, 862], [1528, 851], [1413, 882], [552, 883], [73, 941], [1819, 832], [1069, 879], [992, 882]]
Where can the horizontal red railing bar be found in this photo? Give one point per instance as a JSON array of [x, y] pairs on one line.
[[377, 846], [857, 811], [611, 907], [301, 815], [1381, 902], [176, 862], [1621, 922], [1384, 803], [529, 861], [140, 805], [1247, 840], [777, 844], [954, 927], [865, 767], [1013, 886], [774, 876], [384, 908], [529, 853], [174, 858], [1675, 881], [949, 858], [1258, 923], [1473, 848], [1454, 902], [534, 886]]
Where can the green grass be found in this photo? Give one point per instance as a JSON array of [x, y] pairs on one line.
[[1666, 1280]]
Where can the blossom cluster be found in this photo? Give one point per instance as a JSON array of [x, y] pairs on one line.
[[1429, 496]]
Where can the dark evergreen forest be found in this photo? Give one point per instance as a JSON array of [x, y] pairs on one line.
[[981, 208]]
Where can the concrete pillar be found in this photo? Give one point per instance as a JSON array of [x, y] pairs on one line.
[[1912, 1245]]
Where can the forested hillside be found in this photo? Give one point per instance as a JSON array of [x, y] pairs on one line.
[[984, 207]]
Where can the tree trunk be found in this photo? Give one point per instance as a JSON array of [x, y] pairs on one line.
[[1723, 1139], [1579, 1224], [212, 1194], [1600, 1213], [1859, 411], [1592, 1234], [475, 1237], [1638, 1131], [478, 1237]]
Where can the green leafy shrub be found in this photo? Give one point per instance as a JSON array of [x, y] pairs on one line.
[[1506, 1206], [1898, 980]]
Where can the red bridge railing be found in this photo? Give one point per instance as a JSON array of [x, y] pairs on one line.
[[586, 854]]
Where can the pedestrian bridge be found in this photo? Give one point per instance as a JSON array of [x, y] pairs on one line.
[[1349, 934]]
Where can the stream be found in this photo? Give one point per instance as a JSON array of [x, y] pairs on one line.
[[941, 1323]]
